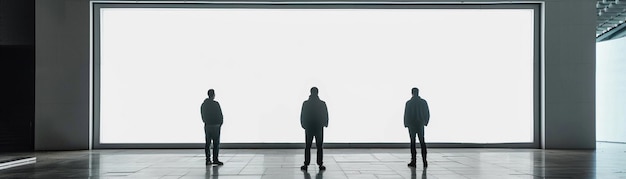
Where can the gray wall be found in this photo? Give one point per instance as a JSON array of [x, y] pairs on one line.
[[569, 74], [62, 74], [611, 91]]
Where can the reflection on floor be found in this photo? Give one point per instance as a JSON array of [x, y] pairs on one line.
[[608, 161]]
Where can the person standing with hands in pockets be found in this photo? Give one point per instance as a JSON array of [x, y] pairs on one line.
[[313, 118], [213, 120], [416, 116]]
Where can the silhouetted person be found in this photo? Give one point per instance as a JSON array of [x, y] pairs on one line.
[[416, 116], [213, 119], [313, 118]]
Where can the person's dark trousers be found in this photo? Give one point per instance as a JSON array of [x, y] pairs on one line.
[[212, 135], [319, 141], [420, 134]]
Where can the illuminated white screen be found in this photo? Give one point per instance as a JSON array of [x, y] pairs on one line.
[[473, 66]]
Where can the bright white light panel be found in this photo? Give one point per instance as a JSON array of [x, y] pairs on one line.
[[473, 66]]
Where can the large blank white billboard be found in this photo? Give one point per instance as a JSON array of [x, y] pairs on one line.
[[473, 66]]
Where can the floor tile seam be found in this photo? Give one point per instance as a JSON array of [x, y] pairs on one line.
[[339, 167], [502, 166], [396, 171], [374, 156], [455, 172], [247, 163]]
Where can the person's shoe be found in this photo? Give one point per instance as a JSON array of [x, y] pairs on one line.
[[304, 167], [218, 163], [412, 164], [322, 167], [208, 162], [425, 164]]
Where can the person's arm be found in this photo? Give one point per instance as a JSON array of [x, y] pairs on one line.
[[426, 113], [302, 115], [406, 115], [220, 117], [202, 112], [325, 114]]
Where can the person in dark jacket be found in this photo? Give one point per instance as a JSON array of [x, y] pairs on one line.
[[416, 116], [213, 119], [313, 118]]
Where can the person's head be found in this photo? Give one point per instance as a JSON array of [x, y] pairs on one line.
[[314, 91], [211, 94], [415, 92]]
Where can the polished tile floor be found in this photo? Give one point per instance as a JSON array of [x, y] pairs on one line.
[[608, 161]]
